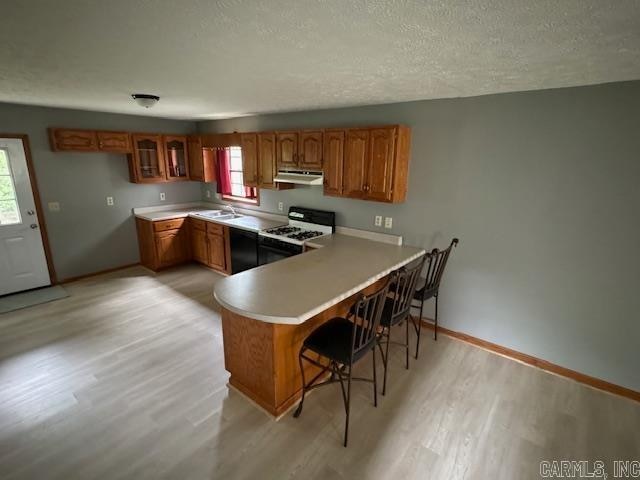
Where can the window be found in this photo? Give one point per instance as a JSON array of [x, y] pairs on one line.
[[9, 212], [239, 191]]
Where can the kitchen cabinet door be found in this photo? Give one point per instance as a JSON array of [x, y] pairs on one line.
[[356, 159], [63, 139], [115, 142], [310, 150], [287, 150], [380, 168], [147, 160], [249, 146], [333, 146], [172, 247], [266, 160], [216, 253], [201, 160], [175, 156], [199, 250], [196, 159]]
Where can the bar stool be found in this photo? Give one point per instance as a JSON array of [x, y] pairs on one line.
[[430, 285], [397, 309], [344, 341]]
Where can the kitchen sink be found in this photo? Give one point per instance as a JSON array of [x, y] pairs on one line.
[[228, 216]]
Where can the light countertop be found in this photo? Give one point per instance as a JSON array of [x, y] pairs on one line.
[[246, 222], [295, 289]]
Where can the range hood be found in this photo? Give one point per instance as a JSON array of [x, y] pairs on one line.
[[299, 177]]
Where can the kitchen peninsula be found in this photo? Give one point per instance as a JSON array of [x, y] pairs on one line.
[[268, 311]]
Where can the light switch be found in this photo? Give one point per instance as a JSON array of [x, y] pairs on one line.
[[54, 207], [378, 221], [110, 201], [162, 196], [388, 222], [208, 192]]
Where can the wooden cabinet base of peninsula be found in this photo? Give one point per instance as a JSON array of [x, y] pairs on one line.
[[263, 357]]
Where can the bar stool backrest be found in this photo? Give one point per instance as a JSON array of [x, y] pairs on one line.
[[405, 285], [436, 261], [366, 314]]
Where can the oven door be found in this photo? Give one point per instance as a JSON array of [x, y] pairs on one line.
[[271, 251]]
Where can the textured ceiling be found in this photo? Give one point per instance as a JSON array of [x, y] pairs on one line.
[[218, 59]]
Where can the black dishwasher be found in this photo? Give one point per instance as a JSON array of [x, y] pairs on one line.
[[244, 249]]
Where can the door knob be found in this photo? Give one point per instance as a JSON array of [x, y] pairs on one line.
[[33, 225], [30, 212]]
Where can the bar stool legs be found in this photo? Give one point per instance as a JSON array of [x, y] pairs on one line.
[[385, 337], [435, 326]]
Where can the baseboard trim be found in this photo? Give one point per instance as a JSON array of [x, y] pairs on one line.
[[101, 272], [537, 362]]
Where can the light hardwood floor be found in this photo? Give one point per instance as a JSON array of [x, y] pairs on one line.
[[125, 379]]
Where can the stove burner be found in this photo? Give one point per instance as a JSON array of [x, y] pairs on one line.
[[283, 230], [305, 235]]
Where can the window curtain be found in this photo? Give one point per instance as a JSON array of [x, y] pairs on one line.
[[223, 164]]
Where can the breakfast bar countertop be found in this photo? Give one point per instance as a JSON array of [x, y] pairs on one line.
[[295, 289]]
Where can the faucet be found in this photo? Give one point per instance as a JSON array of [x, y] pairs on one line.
[[233, 210]]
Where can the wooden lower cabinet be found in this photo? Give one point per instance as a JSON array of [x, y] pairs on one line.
[[199, 250], [216, 251], [172, 247], [172, 242], [210, 244], [164, 243]]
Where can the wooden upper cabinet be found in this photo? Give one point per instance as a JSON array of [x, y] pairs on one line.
[[378, 184], [333, 147], [176, 157], [63, 139], [356, 161], [69, 140], [147, 160], [310, 150], [201, 160], [195, 157], [249, 146], [221, 140], [267, 160], [287, 150], [116, 142]]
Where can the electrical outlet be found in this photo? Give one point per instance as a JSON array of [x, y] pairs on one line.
[[54, 207], [378, 221], [208, 192], [388, 222], [110, 201], [162, 196], [280, 206]]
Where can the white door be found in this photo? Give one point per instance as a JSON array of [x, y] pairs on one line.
[[23, 264]]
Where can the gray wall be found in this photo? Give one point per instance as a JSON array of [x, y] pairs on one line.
[[86, 235], [543, 190]]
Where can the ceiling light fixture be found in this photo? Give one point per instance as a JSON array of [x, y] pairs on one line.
[[145, 100]]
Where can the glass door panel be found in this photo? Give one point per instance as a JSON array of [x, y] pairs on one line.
[[176, 157]]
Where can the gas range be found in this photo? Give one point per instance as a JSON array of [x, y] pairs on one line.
[[292, 234], [304, 224]]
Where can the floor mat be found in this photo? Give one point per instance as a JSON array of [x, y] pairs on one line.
[[16, 301]]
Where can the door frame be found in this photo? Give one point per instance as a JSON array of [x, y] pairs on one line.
[[36, 198]]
